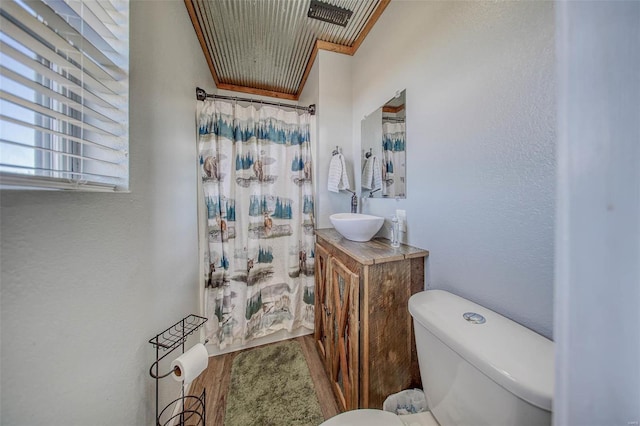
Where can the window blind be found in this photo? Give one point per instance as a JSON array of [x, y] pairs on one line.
[[64, 89]]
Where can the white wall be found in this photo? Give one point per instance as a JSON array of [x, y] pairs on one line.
[[334, 116], [88, 279], [598, 232], [480, 143], [311, 95]]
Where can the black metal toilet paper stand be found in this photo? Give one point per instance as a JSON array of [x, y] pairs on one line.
[[186, 407]]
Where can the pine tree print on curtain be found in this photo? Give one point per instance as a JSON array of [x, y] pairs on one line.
[[256, 178], [393, 159]]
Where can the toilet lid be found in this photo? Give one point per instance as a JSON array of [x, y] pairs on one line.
[[364, 417]]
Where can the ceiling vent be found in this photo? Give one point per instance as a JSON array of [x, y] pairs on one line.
[[329, 13]]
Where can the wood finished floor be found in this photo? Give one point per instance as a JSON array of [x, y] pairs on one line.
[[216, 378]]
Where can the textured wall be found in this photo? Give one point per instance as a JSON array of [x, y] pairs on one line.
[[87, 279], [334, 116], [480, 143]]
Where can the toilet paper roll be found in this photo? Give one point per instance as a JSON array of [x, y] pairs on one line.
[[190, 364]]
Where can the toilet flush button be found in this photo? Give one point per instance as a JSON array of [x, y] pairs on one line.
[[474, 318]]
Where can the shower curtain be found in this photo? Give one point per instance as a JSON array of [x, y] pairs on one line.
[[255, 169], [393, 159]]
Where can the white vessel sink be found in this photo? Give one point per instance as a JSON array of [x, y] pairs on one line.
[[356, 226]]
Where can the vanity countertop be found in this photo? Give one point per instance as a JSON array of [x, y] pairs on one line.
[[378, 250]]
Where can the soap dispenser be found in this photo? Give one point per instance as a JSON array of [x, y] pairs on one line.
[[395, 231]]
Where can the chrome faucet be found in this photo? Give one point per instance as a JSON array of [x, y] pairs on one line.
[[354, 201]]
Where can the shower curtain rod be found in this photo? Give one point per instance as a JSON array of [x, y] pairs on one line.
[[393, 119], [201, 95]]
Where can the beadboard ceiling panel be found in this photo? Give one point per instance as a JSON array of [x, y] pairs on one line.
[[267, 47]]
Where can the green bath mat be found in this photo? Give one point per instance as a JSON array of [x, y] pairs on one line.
[[271, 385]]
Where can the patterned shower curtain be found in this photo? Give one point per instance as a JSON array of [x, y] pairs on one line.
[[393, 158], [256, 179]]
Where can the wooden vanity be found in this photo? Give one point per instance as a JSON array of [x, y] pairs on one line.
[[363, 329]]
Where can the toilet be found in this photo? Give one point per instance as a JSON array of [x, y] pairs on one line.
[[477, 368]]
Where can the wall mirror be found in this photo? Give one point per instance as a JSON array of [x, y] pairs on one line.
[[383, 150]]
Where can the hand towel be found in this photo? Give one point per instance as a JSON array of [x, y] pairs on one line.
[[338, 178], [372, 174], [367, 173], [386, 176], [377, 174]]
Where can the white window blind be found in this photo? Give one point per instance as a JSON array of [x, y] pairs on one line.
[[64, 89]]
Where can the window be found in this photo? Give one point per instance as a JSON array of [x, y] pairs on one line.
[[64, 88]]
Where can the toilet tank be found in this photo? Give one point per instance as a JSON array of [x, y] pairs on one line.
[[492, 373]]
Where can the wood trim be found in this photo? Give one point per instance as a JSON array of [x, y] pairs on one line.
[[417, 285], [196, 26], [320, 44], [339, 48], [319, 298], [329, 322], [333, 47], [307, 70], [393, 110], [259, 92], [351, 50], [224, 86], [339, 361], [346, 349], [372, 21], [353, 340], [364, 332]]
